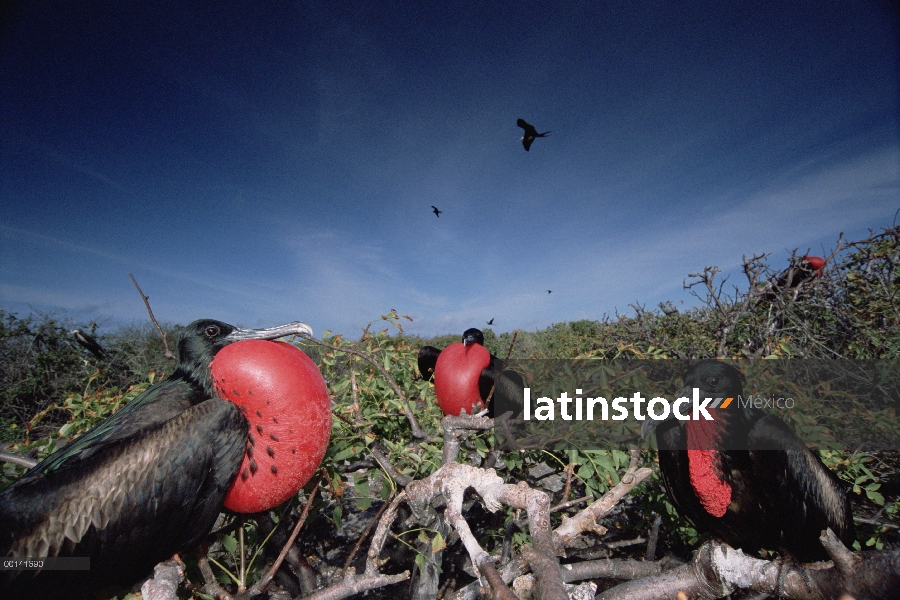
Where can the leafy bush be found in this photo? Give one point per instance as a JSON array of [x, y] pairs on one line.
[[41, 364], [49, 383]]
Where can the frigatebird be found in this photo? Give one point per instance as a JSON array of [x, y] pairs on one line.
[[87, 342], [491, 322], [549, 291], [436, 212], [531, 133], [800, 271], [479, 364], [746, 477], [141, 485]]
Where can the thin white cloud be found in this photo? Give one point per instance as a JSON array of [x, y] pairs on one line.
[[625, 267]]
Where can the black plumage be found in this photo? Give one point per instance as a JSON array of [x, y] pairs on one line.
[[507, 389], [781, 496], [436, 212], [491, 322], [88, 342], [427, 360], [531, 133], [801, 271], [143, 484]]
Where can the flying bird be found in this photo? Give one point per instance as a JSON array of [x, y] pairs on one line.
[[747, 478], [87, 342], [531, 133], [549, 291], [803, 270], [150, 480], [436, 212], [491, 322], [465, 373]]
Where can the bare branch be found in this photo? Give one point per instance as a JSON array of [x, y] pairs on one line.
[[718, 570], [17, 459], [146, 300], [587, 519], [363, 536], [167, 576]]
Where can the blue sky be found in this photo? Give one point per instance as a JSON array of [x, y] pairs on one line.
[[265, 162]]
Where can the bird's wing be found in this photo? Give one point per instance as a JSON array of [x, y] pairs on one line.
[[508, 388], [428, 356], [674, 470], [135, 503], [159, 403], [807, 494], [526, 141], [89, 343], [530, 131]]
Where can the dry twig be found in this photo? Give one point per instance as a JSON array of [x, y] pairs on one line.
[[146, 300]]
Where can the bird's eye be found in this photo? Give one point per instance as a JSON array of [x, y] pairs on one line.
[[212, 330], [714, 380]]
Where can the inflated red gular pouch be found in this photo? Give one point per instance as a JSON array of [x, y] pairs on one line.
[[284, 397], [456, 377]]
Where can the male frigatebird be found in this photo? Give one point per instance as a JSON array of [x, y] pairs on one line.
[[746, 477], [143, 484], [436, 212], [801, 271], [465, 373], [87, 342], [531, 133]]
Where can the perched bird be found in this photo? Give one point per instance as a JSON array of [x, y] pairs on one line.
[[151, 480], [746, 477], [531, 133], [465, 373], [491, 322], [88, 343], [436, 212], [802, 271]]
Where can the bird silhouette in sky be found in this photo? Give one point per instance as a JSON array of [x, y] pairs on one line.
[[436, 212], [531, 133], [491, 322], [549, 291]]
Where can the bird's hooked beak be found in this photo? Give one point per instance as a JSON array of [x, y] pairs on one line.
[[271, 333], [651, 424]]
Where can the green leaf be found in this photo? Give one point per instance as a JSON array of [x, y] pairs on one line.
[[361, 485], [344, 454], [421, 562], [437, 544], [876, 497]]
